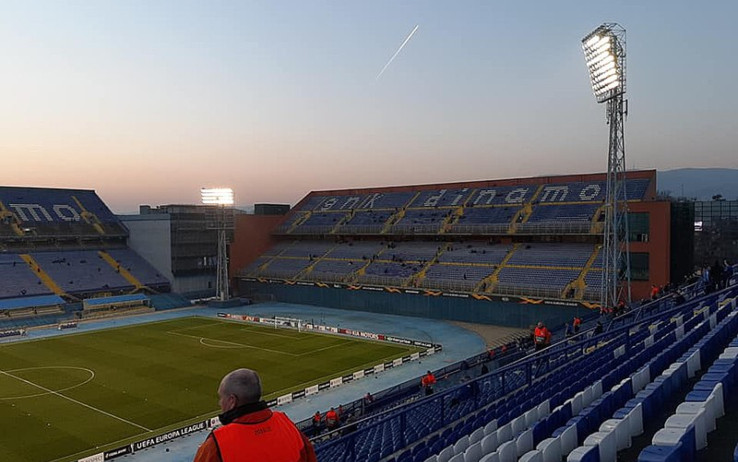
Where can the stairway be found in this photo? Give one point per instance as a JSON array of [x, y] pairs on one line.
[[42, 275]]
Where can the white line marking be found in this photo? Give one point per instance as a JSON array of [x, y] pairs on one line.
[[200, 339], [324, 348], [92, 376], [75, 401]]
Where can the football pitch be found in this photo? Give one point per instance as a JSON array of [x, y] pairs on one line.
[[70, 396]]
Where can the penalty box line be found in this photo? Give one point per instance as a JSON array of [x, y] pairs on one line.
[[56, 393]]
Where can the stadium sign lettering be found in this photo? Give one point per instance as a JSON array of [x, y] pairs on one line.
[[490, 193], [590, 192], [170, 435], [554, 193], [516, 196], [63, 212], [122, 451], [96, 458], [328, 204], [350, 203], [433, 200], [370, 200], [452, 294]]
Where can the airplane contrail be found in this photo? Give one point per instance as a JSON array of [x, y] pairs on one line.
[[397, 52]]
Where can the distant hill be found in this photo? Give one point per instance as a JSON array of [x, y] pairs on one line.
[[700, 183]]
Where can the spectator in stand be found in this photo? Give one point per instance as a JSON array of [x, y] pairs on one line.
[[620, 309], [368, 398], [316, 421], [716, 275], [577, 323], [541, 336], [727, 272], [567, 330], [341, 415], [654, 292], [706, 278], [427, 383], [485, 369], [250, 429], [598, 328], [331, 419]]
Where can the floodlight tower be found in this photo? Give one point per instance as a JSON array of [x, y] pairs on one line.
[[223, 199], [604, 50]]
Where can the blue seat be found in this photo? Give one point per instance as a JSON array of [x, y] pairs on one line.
[[584, 454], [661, 454]]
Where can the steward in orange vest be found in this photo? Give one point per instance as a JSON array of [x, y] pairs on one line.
[[331, 419], [427, 382], [541, 336], [251, 431]]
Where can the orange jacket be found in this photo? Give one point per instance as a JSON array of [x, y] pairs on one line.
[[331, 417], [261, 435], [542, 335], [428, 380]]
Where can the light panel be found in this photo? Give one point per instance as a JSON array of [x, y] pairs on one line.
[[217, 196], [604, 53]]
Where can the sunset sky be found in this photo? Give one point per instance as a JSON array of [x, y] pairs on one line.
[[147, 101]]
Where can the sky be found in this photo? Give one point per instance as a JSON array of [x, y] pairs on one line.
[[147, 101]]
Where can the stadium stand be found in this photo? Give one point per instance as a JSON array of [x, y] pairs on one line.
[[529, 238], [65, 245], [583, 399], [55, 213]]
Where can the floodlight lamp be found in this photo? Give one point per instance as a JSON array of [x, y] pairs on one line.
[[604, 53], [595, 38], [217, 196]]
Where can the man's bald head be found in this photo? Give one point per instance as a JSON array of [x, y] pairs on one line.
[[242, 386]]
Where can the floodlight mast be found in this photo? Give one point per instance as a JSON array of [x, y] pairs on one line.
[[223, 199], [604, 51]]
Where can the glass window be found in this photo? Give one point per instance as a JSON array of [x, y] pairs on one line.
[[639, 266], [638, 226]]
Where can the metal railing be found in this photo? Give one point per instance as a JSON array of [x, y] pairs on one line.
[[513, 377]]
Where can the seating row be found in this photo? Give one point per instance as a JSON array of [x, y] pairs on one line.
[[507, 394], [591, 405]]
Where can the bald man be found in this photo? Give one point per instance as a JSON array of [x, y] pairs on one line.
[[251, 431]]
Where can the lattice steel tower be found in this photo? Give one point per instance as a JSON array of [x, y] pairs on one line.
[[604, 50], [222, 222]]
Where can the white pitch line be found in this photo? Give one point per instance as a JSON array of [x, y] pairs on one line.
[[325, 348], [75, 401], [232, 343]]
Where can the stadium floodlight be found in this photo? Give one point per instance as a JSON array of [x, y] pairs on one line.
[[222, 198], [217, 196], [604, 51]]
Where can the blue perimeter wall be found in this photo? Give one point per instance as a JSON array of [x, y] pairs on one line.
[[509, 314]]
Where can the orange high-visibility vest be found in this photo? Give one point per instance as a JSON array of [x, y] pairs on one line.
[[275, 439]]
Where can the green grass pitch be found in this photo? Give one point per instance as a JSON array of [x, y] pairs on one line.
[[67, 397]]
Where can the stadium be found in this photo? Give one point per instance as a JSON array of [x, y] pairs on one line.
[[342, 284], [579, 316]]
